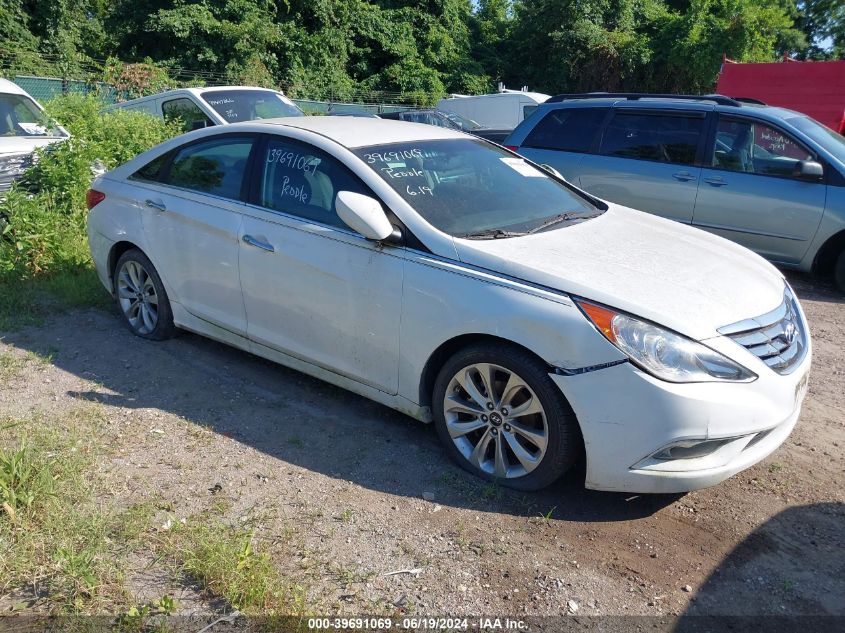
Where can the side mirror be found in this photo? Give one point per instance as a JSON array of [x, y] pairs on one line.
[[553, 171], [809, 170], [363, 214]]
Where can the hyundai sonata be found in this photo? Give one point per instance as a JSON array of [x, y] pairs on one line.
[[455, 281]]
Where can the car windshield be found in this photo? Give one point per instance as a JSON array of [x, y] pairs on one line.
[[461, 122], [821, 134], [469, 188], [19, 116], [249, 105]]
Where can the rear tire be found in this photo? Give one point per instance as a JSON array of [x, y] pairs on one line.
[[839, 272], [142, 298], [501, 417]]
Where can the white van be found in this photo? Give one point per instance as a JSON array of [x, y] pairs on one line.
[[23, 128], [501, 110], [197, 108]]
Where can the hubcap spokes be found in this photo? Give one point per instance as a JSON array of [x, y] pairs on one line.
[[496, 420], [137, 296]]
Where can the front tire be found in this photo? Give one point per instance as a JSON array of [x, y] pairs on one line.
[[501, 417], [142, 298], [839, 272]]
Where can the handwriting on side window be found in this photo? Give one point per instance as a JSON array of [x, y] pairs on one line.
[[298, 193], [294, 160]]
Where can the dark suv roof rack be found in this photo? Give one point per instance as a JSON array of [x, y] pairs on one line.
[[634, 96]]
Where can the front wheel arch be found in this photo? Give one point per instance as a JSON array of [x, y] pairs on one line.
[[825, 260], [449, 348]]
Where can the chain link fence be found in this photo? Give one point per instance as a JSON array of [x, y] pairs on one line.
[[43, 89]]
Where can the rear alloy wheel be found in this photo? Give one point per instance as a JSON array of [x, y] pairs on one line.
[[501, 417], [839, 272], [142, 297]]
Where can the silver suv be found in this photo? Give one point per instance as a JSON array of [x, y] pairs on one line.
[[768, 178]]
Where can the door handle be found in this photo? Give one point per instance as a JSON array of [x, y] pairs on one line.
[[716, 182], [258, 243], [158, 205], [683, 176]]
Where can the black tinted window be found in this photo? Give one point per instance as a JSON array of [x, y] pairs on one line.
[[668, 139], [303, 181], [187, 113], [216, 167], [571, 130], [153, 170]]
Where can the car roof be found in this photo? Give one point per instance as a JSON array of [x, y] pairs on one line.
[[362, 131], [727, 105], [10, 87], [175, 92]]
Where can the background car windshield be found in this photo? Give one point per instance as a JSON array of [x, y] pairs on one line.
[[462, 123], [19, 116], [249, 105], [464, 187], [823, 135]]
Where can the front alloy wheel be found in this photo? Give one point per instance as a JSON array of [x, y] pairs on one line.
[[500, 416], [495, 420]]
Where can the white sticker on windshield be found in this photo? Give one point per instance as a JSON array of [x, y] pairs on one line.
[[519, 165]]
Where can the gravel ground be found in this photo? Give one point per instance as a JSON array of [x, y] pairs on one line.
[[343, 491]]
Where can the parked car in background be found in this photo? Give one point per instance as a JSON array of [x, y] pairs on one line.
[[498, 111], [24, 127], [449, 120], [360, 113], [768, 178], [457, 282], [197, 108]]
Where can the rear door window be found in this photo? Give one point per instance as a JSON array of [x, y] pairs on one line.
[[657, 137], [567, 130], [215, 167]]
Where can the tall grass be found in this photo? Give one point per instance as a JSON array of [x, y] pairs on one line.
[[43, 244]]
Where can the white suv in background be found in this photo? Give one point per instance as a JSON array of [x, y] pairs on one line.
[[24, 127], [196, 108]]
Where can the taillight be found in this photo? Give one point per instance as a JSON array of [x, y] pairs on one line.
[[93, 198], [512, 148]]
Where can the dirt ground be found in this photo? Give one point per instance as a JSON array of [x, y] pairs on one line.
[[343, 491]]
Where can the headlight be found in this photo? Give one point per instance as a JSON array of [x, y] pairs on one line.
[[661, 352]]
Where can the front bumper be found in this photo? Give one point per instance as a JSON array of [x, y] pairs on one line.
[[626, 416]]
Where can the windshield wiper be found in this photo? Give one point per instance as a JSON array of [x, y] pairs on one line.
[[492, 234], [562, 217]]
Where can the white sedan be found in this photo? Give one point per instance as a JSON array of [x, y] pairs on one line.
[[452, 280]]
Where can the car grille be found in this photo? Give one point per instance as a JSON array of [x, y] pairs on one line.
[[778, 338]]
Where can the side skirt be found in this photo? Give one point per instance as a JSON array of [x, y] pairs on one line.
[[187, 321]]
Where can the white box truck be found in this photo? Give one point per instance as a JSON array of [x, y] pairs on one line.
[[501, 110]]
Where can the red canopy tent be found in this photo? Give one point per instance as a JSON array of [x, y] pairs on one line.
[[813, 88]]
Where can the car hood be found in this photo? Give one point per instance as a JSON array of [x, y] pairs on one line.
[[25, 144], [677, 276]]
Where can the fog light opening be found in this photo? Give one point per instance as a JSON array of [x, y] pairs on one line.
[[691, 449]]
